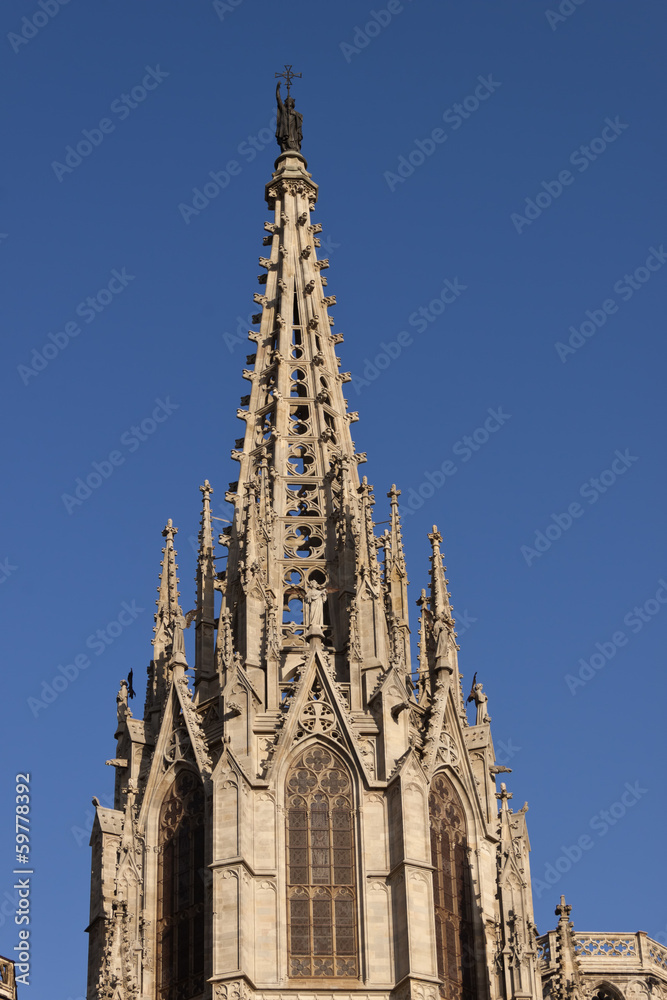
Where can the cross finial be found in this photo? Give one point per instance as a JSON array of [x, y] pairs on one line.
[[288, 76]]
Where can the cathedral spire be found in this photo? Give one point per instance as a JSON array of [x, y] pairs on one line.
[[304, 712], [302, 520]]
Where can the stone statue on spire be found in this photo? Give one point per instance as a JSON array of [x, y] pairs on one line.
[[481, 699], [289, 125]]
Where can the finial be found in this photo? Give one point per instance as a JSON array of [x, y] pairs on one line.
[[503, 795], [289, 132], [169, 530], [288, 76]]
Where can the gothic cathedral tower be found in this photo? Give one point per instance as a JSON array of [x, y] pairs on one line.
[[310, 817]]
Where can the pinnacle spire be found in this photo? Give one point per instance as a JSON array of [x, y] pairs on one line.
[[439, 595], [168, 607], [396, 577], [568, 978], [205, 607], [168, 612]]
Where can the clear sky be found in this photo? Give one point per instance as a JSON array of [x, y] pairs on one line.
[[492, 196]]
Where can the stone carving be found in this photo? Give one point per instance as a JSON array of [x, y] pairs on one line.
[[317, 715], [367, 751], [607, 945], [636, 990], [234, 990], [179, 746], [122, 710], [447, 752]]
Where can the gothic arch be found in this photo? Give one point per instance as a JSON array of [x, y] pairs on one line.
[[180, 924], [453, 895], [322, 866], [605, 991]]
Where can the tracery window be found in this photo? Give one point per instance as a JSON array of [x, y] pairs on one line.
[[452, 890], [321, 893], [180, 924]]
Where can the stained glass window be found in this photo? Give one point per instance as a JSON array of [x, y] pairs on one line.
[[452, 889], [180, 924], [320, 868]]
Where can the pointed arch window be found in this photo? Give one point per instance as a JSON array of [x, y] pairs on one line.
[[452, 890], [321, 880], [180, 923]]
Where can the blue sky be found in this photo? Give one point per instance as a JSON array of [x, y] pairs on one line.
[[534, 208]]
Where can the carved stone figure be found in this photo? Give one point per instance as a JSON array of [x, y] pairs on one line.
[[441, 635], [289, 132], [315, 597], [122, 708], [477, 695], [481, 700]]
